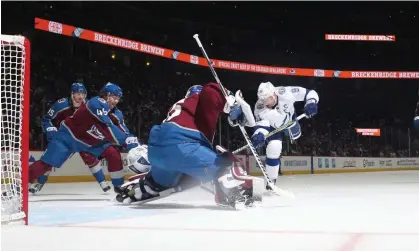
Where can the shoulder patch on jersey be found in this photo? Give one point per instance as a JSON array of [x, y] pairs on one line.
[[101, 100], [281, 90], [294, 90], [62, 100]]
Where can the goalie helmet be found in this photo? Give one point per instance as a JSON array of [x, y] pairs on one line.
[[195, 89], [138, 159], [265, 90]]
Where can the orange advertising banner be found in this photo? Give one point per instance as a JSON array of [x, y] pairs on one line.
[[369, 131], [355, 37], [93, 36]]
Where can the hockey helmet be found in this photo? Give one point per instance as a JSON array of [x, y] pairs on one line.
[[112, 89], [195, 89], [138, 159], [78, 88], [265, 90]]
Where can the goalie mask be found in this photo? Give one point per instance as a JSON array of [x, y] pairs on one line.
[[138, 159]]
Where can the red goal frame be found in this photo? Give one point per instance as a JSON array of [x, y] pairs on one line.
[[24, 140]]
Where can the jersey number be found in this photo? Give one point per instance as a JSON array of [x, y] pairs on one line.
[[101, 112], [174, 111], [51, 112]]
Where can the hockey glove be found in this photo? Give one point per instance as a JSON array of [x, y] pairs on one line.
[[258, 140], [230, 100], [310, 108], [50, 133], [131, 142], [235, 112]]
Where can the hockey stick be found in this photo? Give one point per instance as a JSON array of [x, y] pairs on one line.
[[273, 132], [274, 188]]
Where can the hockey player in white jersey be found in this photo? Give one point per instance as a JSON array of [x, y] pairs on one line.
[[274, 108]]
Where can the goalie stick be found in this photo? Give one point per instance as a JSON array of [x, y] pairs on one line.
[[273, 132], [274, 188]]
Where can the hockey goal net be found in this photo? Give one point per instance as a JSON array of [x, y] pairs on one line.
[[14, 127]]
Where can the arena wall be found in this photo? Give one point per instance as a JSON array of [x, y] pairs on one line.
[[74, 169]]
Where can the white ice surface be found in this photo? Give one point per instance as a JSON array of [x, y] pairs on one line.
[[335, 212]]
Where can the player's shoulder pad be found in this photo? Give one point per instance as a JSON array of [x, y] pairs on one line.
[[62, 103], [98, 102]]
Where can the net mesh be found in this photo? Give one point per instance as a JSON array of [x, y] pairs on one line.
[[11, 106]]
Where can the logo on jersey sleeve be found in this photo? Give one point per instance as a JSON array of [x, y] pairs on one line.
[[281, 90], [95, 133], [61, 100]]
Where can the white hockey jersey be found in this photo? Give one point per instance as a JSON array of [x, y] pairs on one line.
[[284, 110]]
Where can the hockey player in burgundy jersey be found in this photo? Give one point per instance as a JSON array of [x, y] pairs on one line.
[[59, 111], [90, 129], [181, 153]]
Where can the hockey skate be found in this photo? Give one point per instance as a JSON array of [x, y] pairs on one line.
[[34, 188], [105, 186], [269, 190]]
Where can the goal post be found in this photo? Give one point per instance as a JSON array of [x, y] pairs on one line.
[[14, 128]]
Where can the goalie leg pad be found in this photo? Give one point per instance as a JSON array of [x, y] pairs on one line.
[[143, 189], [234, 188], [258, 188], [253, 186]]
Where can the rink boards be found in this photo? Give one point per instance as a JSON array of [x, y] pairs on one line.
[[74, 169], [315, 165]]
